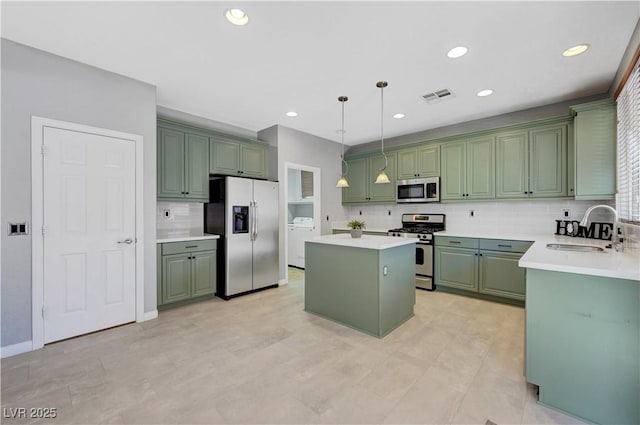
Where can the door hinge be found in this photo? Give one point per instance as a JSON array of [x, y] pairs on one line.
[[44, 311], [44, 150], [44, 230]]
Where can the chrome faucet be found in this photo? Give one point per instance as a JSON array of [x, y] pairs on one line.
[[615, 238]]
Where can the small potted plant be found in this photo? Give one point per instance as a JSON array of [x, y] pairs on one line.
[[356, 227]]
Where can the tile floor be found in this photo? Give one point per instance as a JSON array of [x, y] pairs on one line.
[[262, 359]]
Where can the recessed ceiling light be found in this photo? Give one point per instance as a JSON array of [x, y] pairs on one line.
[[575, 50], [486, 92], [398, 116], [457, 52], [237, 16], [292, 114]]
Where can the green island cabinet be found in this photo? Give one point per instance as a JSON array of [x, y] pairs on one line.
[[532, 163], [595, 149], [237, 158], [187, 272], [362, 175], [468, 169], [419, 162], [583, 344], [487, 267], [183, 164]]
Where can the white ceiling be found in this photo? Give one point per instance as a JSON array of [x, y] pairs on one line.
[[302, 55]]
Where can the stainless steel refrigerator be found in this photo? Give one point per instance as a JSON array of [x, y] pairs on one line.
[[244, 212]]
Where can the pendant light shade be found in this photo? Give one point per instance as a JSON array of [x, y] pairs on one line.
[[342, 181], [382, 177]]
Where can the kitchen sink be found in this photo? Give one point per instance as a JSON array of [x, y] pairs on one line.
[[572, 247]]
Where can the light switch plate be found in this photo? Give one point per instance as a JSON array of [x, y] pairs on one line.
[[18, 229]]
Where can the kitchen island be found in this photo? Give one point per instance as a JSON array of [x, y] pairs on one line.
[[583, 331], [366, 283]]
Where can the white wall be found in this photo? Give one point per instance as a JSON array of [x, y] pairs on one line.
[[42, 84], [305, 149], [512, 217]]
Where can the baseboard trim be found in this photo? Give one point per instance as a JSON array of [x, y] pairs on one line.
[[149, 315], [283, 281], [15, 349]]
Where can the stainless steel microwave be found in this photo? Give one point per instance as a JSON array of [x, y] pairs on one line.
[[418, 190]]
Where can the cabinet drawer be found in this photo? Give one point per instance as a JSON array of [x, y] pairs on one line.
[[189, 246], [456, 242], [504, 245]]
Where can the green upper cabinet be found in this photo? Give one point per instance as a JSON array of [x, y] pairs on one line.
[[182, 165], [197, 167], [233, 157], [595, 149], [468, 169], [419, 162], [170, 163], [253, 160], [357, 176], [362, 175], [533, 163]]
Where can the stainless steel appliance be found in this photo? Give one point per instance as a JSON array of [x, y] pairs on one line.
[[418, 190], [422, 227], [244, 212]]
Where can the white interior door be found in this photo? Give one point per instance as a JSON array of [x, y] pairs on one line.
[[89, 238]]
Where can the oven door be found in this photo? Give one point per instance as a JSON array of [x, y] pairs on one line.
[[424, 266]]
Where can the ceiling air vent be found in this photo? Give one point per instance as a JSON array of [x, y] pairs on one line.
[[437, 95]]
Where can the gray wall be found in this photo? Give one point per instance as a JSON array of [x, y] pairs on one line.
[[512, 118], [42, 84], [306, 149], [632, 48]]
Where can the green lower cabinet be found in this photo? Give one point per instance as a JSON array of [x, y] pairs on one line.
[[462, 265], [582, 345], [176, 278], [500, 275], [203, 268], [186, 276], [457, 268]]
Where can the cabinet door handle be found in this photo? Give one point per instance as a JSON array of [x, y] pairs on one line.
[[476, 254], [191, 246], [454, 242], [505, 246]]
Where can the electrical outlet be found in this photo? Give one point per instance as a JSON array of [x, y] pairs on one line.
[[389, 211], [566, 213], [472, 213], [360, 212], [327, 218], [166, 214]]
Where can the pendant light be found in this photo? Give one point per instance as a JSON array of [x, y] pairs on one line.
[[382, 175], [342, 181]]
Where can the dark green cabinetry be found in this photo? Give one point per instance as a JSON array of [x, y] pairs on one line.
[[419, 162], [533, 163], [468, 170], [182, 165], [595, 150], [362, 175], [487, 267], [237, 158], [187, 272]]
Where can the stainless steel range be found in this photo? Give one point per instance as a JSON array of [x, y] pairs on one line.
[[422, 227]]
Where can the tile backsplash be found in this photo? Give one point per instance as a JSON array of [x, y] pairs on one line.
[[182, 216], [532, 217]]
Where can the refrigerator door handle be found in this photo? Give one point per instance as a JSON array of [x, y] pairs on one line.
[[252, 214], [255, 220]]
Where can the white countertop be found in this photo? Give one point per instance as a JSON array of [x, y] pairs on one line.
[[343, 226], [366, 241], [182, 236], [618, 265], [492, 235]]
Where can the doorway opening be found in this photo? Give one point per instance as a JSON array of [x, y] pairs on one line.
[[303, 206]]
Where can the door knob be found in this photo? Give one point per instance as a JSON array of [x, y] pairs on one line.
[[128, 241]]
